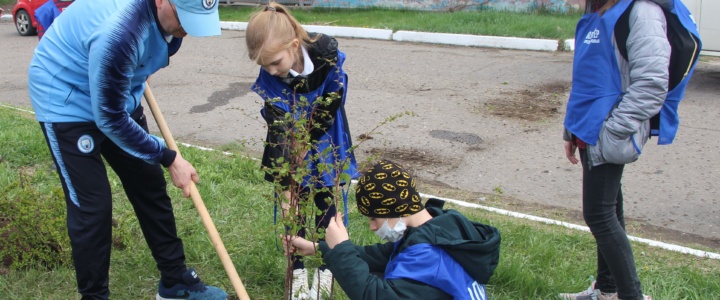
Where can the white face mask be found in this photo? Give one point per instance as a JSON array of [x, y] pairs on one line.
[[391, 234]]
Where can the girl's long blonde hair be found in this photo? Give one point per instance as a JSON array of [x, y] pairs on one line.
[[273, 22]]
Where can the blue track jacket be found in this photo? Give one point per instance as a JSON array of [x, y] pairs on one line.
[[91, 66]]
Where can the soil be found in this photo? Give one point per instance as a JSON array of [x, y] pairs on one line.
[[538, 103]]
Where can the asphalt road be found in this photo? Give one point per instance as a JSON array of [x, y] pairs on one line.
[[485, 121]]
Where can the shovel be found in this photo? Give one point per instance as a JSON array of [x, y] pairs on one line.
[[198, 202]]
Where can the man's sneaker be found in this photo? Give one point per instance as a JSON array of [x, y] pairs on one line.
[[190, 288], [322, 285], [299, 285]]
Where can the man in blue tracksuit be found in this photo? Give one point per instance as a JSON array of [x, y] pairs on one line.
[[86, 83], [431, 253]]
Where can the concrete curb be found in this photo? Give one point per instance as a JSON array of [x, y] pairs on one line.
[[476, 40], [352, 32], [348, 32], [429, 37], [6, 17], [570, 45]]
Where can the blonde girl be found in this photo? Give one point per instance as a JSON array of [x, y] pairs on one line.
[[295, 65]]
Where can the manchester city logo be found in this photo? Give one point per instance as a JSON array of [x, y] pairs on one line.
[[208, 4], [86, 144]]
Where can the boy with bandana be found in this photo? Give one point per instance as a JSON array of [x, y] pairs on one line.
[[431, 253]]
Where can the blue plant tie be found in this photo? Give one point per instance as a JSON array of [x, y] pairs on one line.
[[275, 210], [345, 193]]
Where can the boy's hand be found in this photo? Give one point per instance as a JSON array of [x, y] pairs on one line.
[[336, 232], [297, 245]]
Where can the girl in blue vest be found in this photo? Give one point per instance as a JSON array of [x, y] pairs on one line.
[[608, 119], [430, 253], [303, 84]]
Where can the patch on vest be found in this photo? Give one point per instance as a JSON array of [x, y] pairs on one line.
[[592, 37]]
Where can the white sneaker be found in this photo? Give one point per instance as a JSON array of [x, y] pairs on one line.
[[590, 294], [321, 285], [299, 285], [594, 294]]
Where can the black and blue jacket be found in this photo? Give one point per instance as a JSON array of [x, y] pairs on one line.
[[447, 257]]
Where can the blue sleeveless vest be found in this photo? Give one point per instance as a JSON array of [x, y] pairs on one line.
[[272, 87], [431, 265], [597, 84], [46, 14]]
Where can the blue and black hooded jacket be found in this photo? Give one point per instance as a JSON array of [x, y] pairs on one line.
[[432, 261]]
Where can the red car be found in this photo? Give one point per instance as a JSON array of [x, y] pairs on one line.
[[24, 14]]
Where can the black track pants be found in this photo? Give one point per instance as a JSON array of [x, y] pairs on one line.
[[78, 150]]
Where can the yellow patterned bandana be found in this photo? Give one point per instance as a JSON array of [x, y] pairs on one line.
[[387, 191]]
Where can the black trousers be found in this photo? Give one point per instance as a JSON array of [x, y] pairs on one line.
[[604, 215], [78, 150]]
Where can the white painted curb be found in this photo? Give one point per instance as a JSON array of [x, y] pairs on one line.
[[336, 31], [233, 25], [424, 37], [476, 40], [570, 45], [352, 32], [6, 17]]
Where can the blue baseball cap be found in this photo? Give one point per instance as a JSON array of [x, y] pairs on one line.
[[198, 17]]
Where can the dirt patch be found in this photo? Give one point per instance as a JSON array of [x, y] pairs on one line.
[[533, 104], [418, 162], [410, 158]]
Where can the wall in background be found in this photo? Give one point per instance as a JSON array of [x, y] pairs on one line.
[[443, 5]]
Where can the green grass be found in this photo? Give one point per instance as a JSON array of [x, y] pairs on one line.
[[537, 260], [481, 22]]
